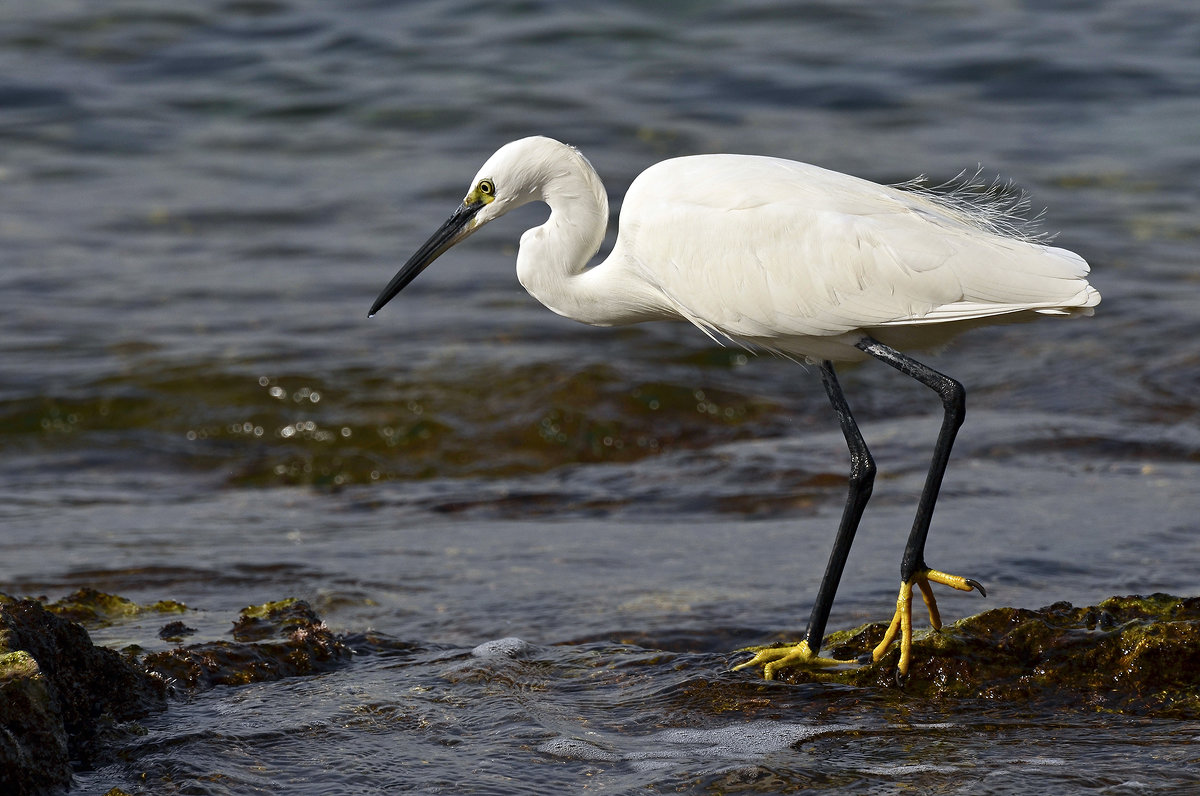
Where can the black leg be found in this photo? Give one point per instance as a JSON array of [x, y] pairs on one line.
[[862, 480], [954, 402], [913, 571]]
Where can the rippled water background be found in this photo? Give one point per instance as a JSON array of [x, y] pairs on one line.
[[572, 527]]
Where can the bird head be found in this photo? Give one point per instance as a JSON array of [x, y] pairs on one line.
[[513, 176], [516, 174]]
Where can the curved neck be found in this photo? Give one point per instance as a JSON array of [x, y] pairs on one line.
[[551, 259]]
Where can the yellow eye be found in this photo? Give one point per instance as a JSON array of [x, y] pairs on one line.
[[487, 188]]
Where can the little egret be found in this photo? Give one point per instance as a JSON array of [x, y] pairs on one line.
[[786, 257]]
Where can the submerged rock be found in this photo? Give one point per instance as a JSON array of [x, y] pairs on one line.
[[1129, 654]]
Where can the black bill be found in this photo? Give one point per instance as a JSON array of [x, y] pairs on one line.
[[450, 233]]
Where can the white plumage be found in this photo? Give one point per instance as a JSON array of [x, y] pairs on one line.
[[787, 257], [771, 253]]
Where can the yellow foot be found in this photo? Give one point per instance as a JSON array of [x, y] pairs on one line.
[[902, 619], [776, 659]]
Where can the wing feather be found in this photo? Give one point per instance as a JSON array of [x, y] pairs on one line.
[[757, 248]]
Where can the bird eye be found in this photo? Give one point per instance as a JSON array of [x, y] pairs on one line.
[[487, 187]]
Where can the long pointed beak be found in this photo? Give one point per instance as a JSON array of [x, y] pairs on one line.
[[455, 229]]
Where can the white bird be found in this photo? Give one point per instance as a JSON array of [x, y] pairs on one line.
[[788, 257]]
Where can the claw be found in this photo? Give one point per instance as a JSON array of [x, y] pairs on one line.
[[902, 619], [953, 581], [776, 659]]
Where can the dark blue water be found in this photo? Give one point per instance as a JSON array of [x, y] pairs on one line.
[[198, 203]]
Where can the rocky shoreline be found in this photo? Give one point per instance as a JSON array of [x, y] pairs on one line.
[[67, 703]]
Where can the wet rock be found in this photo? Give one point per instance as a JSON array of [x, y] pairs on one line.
[[61, 697], [33, 742], [274, 620], [272, 641], [175, 631], [1133, 654]]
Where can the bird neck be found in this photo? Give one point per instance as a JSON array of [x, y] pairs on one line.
[[552, 257]]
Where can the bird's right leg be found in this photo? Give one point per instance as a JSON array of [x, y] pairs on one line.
[[861, 482], [913, 569]]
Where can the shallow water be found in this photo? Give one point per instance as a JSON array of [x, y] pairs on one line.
[[197, 206]]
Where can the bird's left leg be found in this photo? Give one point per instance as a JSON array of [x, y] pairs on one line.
[[861, 482], [913, 570]]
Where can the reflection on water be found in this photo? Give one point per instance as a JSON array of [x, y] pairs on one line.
[[198, 205]]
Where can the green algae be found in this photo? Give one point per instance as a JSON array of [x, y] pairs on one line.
[[93, 608], [257, 622], [361, 427]]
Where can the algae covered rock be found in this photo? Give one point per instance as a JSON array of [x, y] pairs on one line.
[[1129, 654], [271, 641], [33, 741], [59, 696], [94, 608], [62, 698]]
